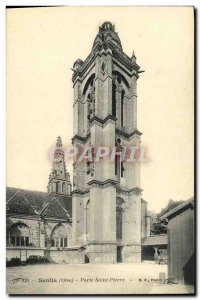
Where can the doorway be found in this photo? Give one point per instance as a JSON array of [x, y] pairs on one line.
[[87, 260], [119, 254]]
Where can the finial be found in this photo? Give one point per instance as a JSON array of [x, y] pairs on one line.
[[133, 54], [133, 57], [108, 26], [59, 142]]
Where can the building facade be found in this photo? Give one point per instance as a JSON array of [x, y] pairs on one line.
[[39, 223], [106, 199], [104, 218]]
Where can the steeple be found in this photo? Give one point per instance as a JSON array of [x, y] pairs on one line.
[[59, 179], [106, 198]]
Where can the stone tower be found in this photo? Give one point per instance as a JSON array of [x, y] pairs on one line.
[[107, 205], [59, 179]]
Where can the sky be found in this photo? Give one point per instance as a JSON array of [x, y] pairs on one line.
[[43, 44]]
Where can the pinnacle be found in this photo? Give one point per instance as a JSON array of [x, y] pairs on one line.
[[59, 142]]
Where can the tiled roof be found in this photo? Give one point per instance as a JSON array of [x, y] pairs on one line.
[[18, 204], [55, 209], [153, 240], [21, 201], [178, 209]]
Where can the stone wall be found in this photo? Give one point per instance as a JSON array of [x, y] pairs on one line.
[[65, 256], [53, 255], [22, 253]]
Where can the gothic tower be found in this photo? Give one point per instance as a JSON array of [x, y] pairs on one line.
[[59, 179], [107, 204]]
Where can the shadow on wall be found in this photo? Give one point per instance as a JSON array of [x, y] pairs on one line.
[[189, 271]]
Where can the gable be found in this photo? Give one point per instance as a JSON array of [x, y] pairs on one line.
[[18, 204], [55, 209], [39, 202]]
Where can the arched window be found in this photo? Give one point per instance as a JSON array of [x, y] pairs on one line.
[[114, 100], [119, 163], [69, 189], [59, 236], [58, 187], [122, 108], [89, 94], [119, 218], [64, 190], [54, 187], [120, 88], [116, 164], [87, 219], [19, 235]]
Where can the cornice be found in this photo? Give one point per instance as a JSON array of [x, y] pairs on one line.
[[102, 242], [102, 122], [80, 193], [128, 192], [80, 139], [128, 135], [109, 49], [135, 191], [102, 184]]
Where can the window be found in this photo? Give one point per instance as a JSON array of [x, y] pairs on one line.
[[13, 240], [57, 187], [65, 242], [59, 236], [122, 108], [64, 187], [116, 164], [87, 219], [57, 242], [18, 241], [22, 241], [114, 100], [19, 235], [119, 218], [26, 241], [122, 169], [119, 223]]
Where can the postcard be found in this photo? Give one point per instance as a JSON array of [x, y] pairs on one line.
[[100, 150]]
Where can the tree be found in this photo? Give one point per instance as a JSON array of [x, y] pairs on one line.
[[171, 204], [159, 226]]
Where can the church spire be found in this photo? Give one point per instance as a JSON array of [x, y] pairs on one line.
[[59, 178], [59, 142]]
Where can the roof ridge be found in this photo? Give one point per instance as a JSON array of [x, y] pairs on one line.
[[34, 191], [21, 189]]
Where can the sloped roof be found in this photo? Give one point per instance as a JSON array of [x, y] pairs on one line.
[[55, 209], [178, 209], [153, 240], [106, 33], [20, 205], [22, 201]]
